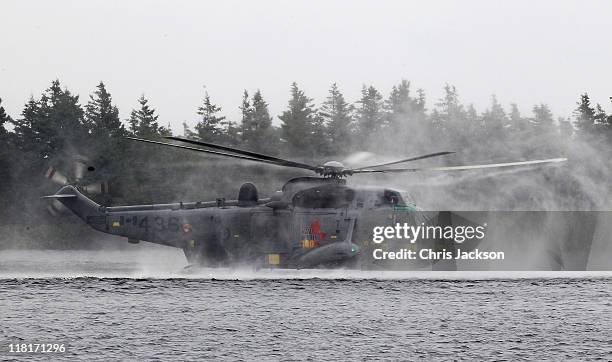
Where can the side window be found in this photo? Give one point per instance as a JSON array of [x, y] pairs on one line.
[[324, 197]]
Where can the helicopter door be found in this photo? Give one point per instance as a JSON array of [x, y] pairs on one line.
[[312, 229], [269, 232]]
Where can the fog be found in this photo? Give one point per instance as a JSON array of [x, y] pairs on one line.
[[156, 262], [524, 51]]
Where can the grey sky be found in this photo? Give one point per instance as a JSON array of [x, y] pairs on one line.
[[523, 51]]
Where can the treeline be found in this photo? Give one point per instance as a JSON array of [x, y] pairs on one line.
[[56, 127], [57, 123]]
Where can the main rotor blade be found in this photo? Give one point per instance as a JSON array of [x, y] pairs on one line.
[[466, 167], [244, 152], [286, 164], [408, 160], [79, 167]]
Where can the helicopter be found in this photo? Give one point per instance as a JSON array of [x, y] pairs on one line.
[[311, 222]]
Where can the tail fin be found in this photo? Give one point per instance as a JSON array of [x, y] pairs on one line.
[[78, 203]]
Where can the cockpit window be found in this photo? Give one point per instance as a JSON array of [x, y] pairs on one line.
[[392, 197]]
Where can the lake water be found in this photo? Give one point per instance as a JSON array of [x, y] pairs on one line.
[[143, 305]]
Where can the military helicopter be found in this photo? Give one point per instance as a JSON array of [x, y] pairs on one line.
[[312, 222]]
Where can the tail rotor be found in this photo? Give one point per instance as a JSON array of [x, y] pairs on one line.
[[80, 178]]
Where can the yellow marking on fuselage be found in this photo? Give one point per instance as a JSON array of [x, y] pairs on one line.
[[273, 259]]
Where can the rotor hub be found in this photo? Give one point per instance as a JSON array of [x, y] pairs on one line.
[[333, 169]]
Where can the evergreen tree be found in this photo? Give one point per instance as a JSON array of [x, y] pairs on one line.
[[402, 112], [472, 114], [516, 121], [336, 115], [52, 124], [449, 121], [143, 121], [101, 116], [5, 157], [297, 127], [5, 119], [420, 101], [585, 114], [609, 119], [600, 117], [399, 102], [603, 122], [247, 115], [211, 127], [473, 121], [257, 132], [565, 127], [370, 116], [543, 117], [449, 106], [607, 127], [494, 118], [320, 141], [187, 132], [261, 116], [231, 133]]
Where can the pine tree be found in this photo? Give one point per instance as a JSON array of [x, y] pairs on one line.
[[543, 117], [5, 119], [5, 152], [543, 120], [600, 117], [52, 124], [607, 127], [399, 101], [473, 121], [230, 133], [449, 106], [516, 121], [609, 119], [297, 127], [166, 131], [210, 127], [494, 118], [6, 155], [257, 132], [187, 132], [420, 101], [336, 115], [143, 121], [602, 122], [101, 116], [370, 116], [585, 113], [404, 115], [565, 127], [261, 115], [450, 121], [247, 115]]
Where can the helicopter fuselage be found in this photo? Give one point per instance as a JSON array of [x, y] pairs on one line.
[[312, 222]]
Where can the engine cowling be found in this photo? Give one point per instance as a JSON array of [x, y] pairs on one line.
[[247, 195]]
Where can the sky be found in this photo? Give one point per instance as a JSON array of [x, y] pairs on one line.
[[525, 52]]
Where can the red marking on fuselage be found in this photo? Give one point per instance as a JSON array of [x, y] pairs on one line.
[[315, 228]]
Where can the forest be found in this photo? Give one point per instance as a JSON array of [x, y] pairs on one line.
[[58, 126]]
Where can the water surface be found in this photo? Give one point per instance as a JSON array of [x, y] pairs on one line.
[[144, 305]]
